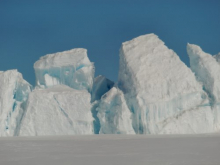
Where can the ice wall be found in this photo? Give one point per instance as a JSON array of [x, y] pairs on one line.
[[158, 86], [14, 91], [71, 68], [113, 114], [59, 110]]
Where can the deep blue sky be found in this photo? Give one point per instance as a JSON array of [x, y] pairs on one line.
[[30, 29]]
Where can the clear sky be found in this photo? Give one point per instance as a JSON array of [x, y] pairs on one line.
[[30, 29]]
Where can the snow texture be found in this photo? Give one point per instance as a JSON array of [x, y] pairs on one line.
[[71, 68], [111, 150], [14, 92], [113, 114], [159, 88], [59, 110]]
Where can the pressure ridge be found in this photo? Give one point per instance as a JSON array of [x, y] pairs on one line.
[[156, 93]]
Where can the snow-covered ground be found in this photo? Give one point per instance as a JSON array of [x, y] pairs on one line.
[[111, 150]]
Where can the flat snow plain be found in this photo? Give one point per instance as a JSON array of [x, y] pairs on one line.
[[111, 150]]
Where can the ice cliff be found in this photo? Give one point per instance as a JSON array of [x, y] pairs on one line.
[[60, 103], [14, 92], [156, 93]]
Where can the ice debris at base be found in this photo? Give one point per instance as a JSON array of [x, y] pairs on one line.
[[14, 91], [71, 68], [59, 110], [156, 93]]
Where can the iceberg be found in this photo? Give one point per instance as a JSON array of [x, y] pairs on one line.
[[14, 91], [159, 87], [113, 114], [59, 110], [72, 68]]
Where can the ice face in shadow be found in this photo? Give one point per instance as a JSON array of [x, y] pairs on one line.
[[113, 114], [158, 86], [156, 93], [14, 91], [71, 68], [101, 85], [59, 110], [217, 57]]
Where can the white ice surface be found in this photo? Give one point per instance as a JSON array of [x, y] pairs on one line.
[[72, 68], [158, 87], [59, 110], [113, 114], [14, 91], [111, 150], [207, 70]]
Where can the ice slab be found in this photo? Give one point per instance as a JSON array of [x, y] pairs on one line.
[[58, 110], [113, 114], [157, 85], [72, 68]]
